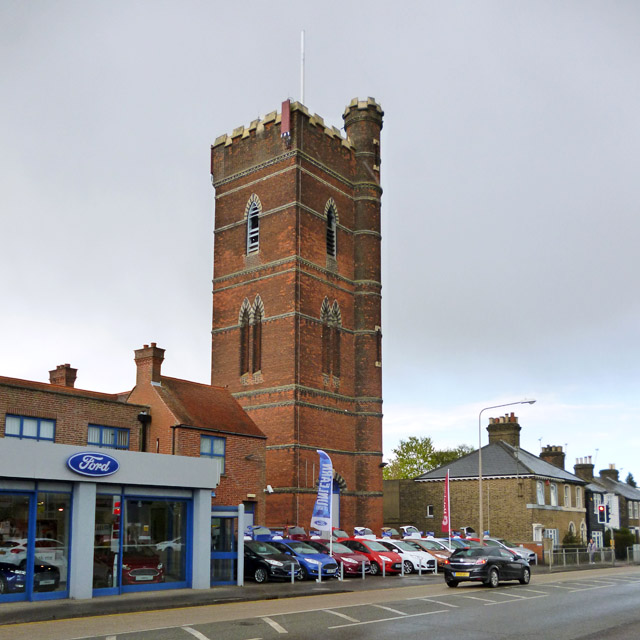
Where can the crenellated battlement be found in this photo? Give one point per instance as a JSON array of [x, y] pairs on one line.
[[275, 118]]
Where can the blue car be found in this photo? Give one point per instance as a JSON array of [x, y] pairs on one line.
[[46, 577], [310, 559]]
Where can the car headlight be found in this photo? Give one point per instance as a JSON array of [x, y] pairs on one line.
[[311, 561], [275, 563], [20, 572], [159, 566], [385, 559], [349, 561]]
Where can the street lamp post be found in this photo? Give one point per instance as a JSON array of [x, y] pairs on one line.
[[497, 406]]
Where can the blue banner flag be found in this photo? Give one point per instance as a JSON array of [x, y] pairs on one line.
[[321, 518]]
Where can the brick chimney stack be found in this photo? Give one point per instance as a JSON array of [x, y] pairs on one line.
[[611, 473], [583, 468], [149, 363], [553, 455], [64, 375], [505, 428]]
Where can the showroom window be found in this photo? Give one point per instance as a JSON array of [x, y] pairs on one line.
[[213, 447], [108, 437], [32, 428]]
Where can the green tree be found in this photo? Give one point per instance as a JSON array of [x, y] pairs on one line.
[[630, 480], [416, 456]]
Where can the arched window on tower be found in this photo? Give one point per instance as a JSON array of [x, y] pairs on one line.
[[258, 310], [253, 227], [331, 321], [244, 338], [331, 232]]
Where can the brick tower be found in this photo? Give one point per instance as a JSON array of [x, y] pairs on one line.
[[296, 331]]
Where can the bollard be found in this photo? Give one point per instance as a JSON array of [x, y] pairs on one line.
[[341, 577], [293, 573], [383, 566], [363, 569]]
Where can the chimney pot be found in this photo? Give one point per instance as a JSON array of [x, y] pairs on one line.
[[149, 364], [64, 375]]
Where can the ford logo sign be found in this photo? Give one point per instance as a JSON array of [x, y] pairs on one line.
[[93, 464]]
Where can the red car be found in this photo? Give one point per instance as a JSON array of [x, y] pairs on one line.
[[141, 565], [350, 560], [377, 554]]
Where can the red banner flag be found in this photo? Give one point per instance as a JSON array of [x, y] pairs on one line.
[[446, 522]]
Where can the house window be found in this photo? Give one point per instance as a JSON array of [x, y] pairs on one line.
[[579, 497], [213, 447], [567, 495], [630, 509], [553, 495], [598, 538], [553, 535], [540, 491], [244, 341], [597, 501], [29, 428], [253, 227], [108, 437], [635, 510], [429, 511]]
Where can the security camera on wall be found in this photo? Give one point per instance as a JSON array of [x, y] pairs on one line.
[[269, 489]]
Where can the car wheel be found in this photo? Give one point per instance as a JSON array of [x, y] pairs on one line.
[[408, 567], [260, 575], [494, 579], [3, 585], [526, 576], [450, 581], [375, 569]]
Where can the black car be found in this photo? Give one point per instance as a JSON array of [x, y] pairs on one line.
[[488, 565], [263, 562]]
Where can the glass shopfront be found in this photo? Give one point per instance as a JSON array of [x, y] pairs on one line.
[[34, 544], [140, 543]]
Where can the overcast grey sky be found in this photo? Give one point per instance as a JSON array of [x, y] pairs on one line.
[[510, 155]]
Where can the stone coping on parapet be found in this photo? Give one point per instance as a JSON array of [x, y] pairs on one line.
[[314, 119]]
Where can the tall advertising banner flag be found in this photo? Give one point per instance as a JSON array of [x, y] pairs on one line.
[[446, 521], [321, 518]]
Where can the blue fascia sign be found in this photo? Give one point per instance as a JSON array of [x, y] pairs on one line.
[[90, 463]]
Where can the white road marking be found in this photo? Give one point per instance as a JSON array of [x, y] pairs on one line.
[[195, 634], [536, 591], [481, 599], [380, 606], [411, 615], [341, 615], [444, 604], [274, 625], [513, 595], [489, 604]]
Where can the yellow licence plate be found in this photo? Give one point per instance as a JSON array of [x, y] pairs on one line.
[[461, 574]]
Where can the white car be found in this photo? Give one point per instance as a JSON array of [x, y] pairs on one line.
[[175, 544], [413, 560], [14, 551]]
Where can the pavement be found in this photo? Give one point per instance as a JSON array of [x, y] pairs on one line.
[[22, 612]]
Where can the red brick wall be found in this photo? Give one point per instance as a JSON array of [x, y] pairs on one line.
[[298, 408], [72, 412]]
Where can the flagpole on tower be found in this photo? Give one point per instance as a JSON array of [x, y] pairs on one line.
[[302, 67]]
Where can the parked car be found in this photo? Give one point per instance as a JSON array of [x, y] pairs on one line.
[[262, 562], [14, 551], [438, 551], [527, 554], [485, 564], [350, 560], [377, 553], [141, 564], [363, 532], [339, 534], [46, 577], [175, 544], [457, 543], [390, 532], [413, 560], [311, 560], [409, 531], [295, 533], [258, 532]]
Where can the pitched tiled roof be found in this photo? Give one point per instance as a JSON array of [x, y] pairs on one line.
[[621, 488], [206, 407], [54, 388], [499, 459]]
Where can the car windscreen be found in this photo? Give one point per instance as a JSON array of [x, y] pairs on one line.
[[460, 554], [405, 546], [338, 547], [301, 547], [261, 548], [339, 533], [375, 546], [296, 531], [506, 543]]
